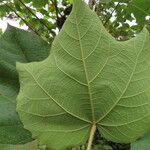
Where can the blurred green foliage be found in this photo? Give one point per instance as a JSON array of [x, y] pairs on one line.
[[122, 18], [43, 17]]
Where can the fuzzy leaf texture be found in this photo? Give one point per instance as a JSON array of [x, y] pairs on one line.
[[28, 146], [22, 46], [88, 78]]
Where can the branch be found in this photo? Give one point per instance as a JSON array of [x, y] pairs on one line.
[[57, 12], [34, 15], [111, 14], [91, 3], [56, 8], [30, 27]]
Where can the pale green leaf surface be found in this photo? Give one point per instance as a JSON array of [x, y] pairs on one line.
[[142, 144], [22, 46], [88, 78]]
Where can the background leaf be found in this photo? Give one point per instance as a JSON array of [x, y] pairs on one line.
[[29, 146], [140, 9], [142, 144], [22, 46], [39, 3]]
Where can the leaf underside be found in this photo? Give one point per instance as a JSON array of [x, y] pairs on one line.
[[88, 78], [22, 46], [28, 146]]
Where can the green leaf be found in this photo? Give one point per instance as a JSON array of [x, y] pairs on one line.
[[142, 144], [27, 1], [89, 78], [22, 46], [39, 3], [140, 9], [4, 10], [70, 1], [17, 5], [29, 146]]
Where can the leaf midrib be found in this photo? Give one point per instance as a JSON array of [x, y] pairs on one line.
[[86, 74]]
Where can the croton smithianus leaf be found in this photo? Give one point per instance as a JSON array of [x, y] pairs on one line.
[[89, 78]]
